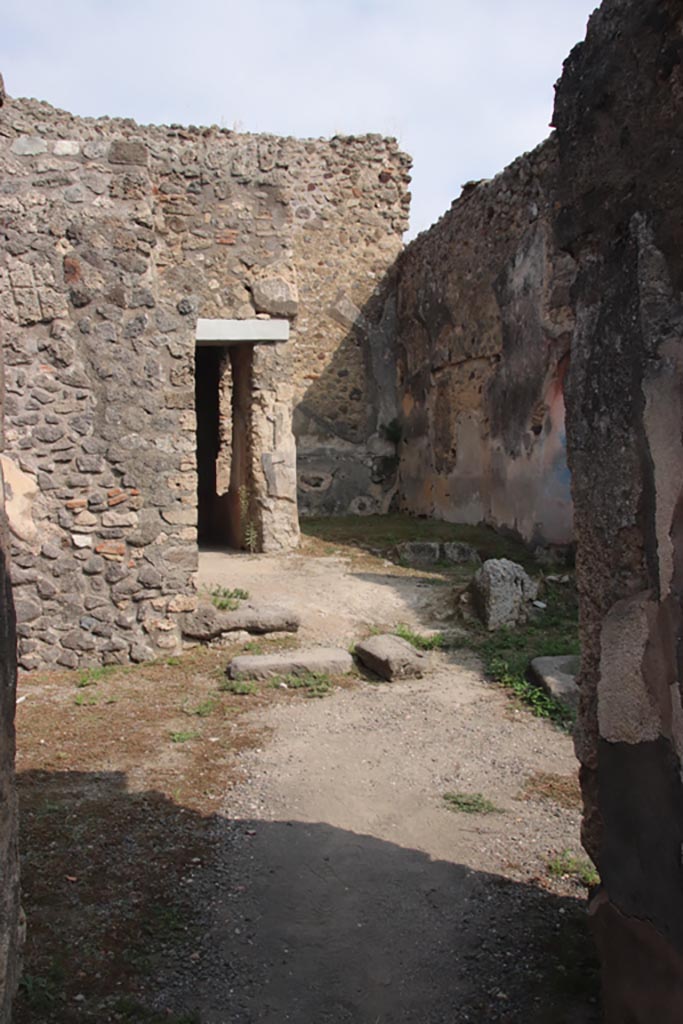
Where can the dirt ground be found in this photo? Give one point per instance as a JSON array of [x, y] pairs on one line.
[[191, 855]]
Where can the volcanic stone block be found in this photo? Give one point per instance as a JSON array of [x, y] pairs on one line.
[[391, 657], [419, 552], [460, 554], [334, 661], [557, 676], [502, 593], [275, 296], [208, 622]]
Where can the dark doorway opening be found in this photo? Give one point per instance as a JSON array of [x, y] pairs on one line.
[[223, 394]]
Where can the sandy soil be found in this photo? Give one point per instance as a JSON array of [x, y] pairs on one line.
[[357, 895]]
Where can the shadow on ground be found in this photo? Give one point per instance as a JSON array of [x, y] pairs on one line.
[[140, 910]]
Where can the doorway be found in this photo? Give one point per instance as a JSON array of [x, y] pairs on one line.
[[223, 397]]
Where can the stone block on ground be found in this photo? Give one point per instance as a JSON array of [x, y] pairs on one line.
[[391, 657], [502, 593], [557, 676], [209, 622], [333, 661], [460, 554], [419, 552]]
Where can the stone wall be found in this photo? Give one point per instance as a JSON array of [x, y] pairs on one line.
[[483, 333], [10, 912], [619, 118], [347, 235], [117, 239]]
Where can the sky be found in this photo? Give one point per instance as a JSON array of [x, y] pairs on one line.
[[465, 85]]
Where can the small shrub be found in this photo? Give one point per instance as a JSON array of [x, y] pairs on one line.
[[418, 640], [578, 869], [469, 803]]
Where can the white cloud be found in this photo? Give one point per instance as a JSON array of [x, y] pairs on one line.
[[465, 88]]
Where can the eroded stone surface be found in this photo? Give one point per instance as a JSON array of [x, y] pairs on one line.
[[10, 911], [484, 325], [209, 622], [330, 660], [390, 657], [557, 676], [502, 593], [619, 212], [106, 267]]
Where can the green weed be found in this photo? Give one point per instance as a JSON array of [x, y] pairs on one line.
[[506, 653], [314, 684], [579, 869], [227, 598], [469, 803], [42, 991], [419, 640], [241, 687], [93, 676], [85, 700], [182, 736], [133, 1012], [203, 710]]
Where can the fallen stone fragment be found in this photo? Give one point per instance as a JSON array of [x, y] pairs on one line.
[[333, 661], [557, 676], [208, 622], [391, 657], [502, 593], [419, 552], [460, 554]]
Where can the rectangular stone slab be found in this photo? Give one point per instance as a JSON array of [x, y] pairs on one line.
[[390, 656], [335, 661], [557, 676]]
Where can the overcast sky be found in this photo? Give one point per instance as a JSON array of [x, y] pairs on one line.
[[465, 85]]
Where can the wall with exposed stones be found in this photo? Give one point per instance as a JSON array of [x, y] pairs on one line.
[[483, 331], [10, 911], [117, 238], [619, 119]]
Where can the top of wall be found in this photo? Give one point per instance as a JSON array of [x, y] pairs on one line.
[[25, 114], [527, 171]]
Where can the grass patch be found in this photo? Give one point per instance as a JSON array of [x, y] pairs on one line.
[[183, 735], [419, 640], [386, 531], [85, 700], [469, 803], [578, 869], [42, 991], [313, 684], [133, 1012], [228, 599], [93, 676], [506, 653], [203, 710], [241, 687]]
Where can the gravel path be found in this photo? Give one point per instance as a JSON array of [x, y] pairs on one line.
[[348, 891]]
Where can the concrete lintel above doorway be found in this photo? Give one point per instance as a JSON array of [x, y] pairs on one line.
[[221, 332]]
